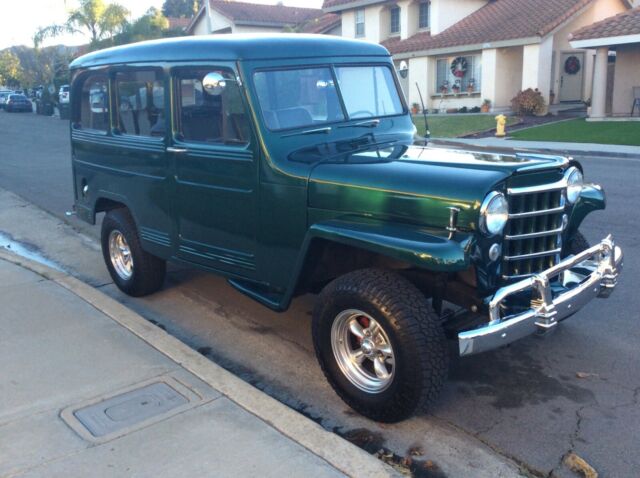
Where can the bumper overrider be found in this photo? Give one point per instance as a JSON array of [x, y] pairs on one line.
[[583, 277]]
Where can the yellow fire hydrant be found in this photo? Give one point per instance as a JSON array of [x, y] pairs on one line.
[[501, 126]]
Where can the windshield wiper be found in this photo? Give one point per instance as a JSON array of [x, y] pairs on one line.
[[373, 123], [325, 130]]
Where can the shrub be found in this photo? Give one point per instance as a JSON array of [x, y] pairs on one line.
[[528, 102], [475, 109]]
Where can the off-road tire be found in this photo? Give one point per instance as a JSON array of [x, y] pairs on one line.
[[417, 337], [578, 244], [148, 270]]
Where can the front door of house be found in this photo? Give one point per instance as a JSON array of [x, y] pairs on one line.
[[571, 76]]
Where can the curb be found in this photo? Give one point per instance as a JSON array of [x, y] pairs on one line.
[[342, 455], [561, 152]]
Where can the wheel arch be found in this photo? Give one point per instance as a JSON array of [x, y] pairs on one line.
[[334, 248]]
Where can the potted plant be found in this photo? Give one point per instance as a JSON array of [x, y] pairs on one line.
[[444, 88], [415, 108], [486, 105], [471, 86], [456, 87]]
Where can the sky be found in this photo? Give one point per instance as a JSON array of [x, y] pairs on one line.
[[19, 22]]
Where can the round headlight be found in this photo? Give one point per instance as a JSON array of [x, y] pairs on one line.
[[575, 181], [494, 213]]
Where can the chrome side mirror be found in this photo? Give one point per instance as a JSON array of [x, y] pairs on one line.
[[214, 83]]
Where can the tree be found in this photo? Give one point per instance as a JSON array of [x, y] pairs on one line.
[[180, 8], [10, 69], [102, 21], [152, 24]]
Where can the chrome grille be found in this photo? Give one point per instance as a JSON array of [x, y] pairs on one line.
[[533, 234]]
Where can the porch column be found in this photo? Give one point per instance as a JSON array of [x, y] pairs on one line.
[[599, 93], [489, 82], [536, 67]]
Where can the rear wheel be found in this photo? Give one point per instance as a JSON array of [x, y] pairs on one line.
[[133, 270], [379, 344]]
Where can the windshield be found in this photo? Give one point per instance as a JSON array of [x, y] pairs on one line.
[[296, 98]]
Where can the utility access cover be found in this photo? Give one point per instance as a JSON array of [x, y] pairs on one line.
[[128, 409]]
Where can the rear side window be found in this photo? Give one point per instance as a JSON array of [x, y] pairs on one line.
[[94, 104], [140, 103], [215, 116]]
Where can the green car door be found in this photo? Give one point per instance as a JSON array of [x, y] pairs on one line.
[[216, 170]]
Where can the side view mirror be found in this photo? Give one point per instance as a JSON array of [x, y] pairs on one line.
[[214, 83]]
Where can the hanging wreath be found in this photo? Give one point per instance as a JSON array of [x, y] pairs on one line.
[[572, 65], [459, 67]]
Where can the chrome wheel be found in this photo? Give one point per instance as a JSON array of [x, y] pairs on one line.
[[120, 255], [363, 351]]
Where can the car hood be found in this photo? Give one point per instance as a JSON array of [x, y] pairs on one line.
[[417, 184]]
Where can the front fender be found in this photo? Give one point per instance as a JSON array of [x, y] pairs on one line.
[[592, 198], [415, 245]]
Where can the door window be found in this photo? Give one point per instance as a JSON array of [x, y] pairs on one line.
[[215, 116], [94, 104], [140, 103]]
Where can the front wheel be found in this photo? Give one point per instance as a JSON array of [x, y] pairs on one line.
[[133, 270], [379, 344]]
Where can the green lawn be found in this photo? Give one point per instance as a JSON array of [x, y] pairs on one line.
[[580, 131], [457, 124]]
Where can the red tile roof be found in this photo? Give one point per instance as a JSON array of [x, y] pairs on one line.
[[498, 20], [623, 24], [254, 13], [322, 24], [176, 22]]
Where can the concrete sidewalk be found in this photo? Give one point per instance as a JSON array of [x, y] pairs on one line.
[[571, 149], [89, 388]]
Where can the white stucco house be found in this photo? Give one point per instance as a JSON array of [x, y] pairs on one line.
[[460, 52], [227, 16], [617, 37]]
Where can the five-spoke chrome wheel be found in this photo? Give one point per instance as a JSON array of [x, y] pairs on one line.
[[120, 255], [362, 350]]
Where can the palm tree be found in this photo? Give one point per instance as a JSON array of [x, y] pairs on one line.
[[102, 21]]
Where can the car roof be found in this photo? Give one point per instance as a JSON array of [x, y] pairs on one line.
[[231, 47]]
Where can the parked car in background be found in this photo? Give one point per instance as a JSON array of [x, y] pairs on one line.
[[4, 96], [17, 103], [63, 95]]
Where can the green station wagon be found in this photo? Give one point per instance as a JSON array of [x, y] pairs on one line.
[[289, 165]]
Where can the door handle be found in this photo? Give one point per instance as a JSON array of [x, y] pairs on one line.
[[171, 149]]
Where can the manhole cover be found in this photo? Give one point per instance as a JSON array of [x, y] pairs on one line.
[[130, 408]]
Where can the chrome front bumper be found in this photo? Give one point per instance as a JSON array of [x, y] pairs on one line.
[[592, 273]]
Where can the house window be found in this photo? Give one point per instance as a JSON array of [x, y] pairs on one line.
[[359, 23], [467, 82], [395, 20], [424, 15]]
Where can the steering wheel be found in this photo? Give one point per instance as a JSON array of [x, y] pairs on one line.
[[356, 115]]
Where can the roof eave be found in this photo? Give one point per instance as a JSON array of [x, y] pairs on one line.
[[605, 41], [467, 48], [351, 5]]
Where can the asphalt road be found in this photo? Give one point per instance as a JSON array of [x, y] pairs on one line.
[[576, 390]]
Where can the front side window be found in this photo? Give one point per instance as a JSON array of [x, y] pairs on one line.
[[395, 20], [297, 98], [94, 104], [140, 103], [368, 91], [424, 15], [359, 23], [215, 116]]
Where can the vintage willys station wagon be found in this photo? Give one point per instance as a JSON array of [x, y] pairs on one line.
[[288, 165]]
